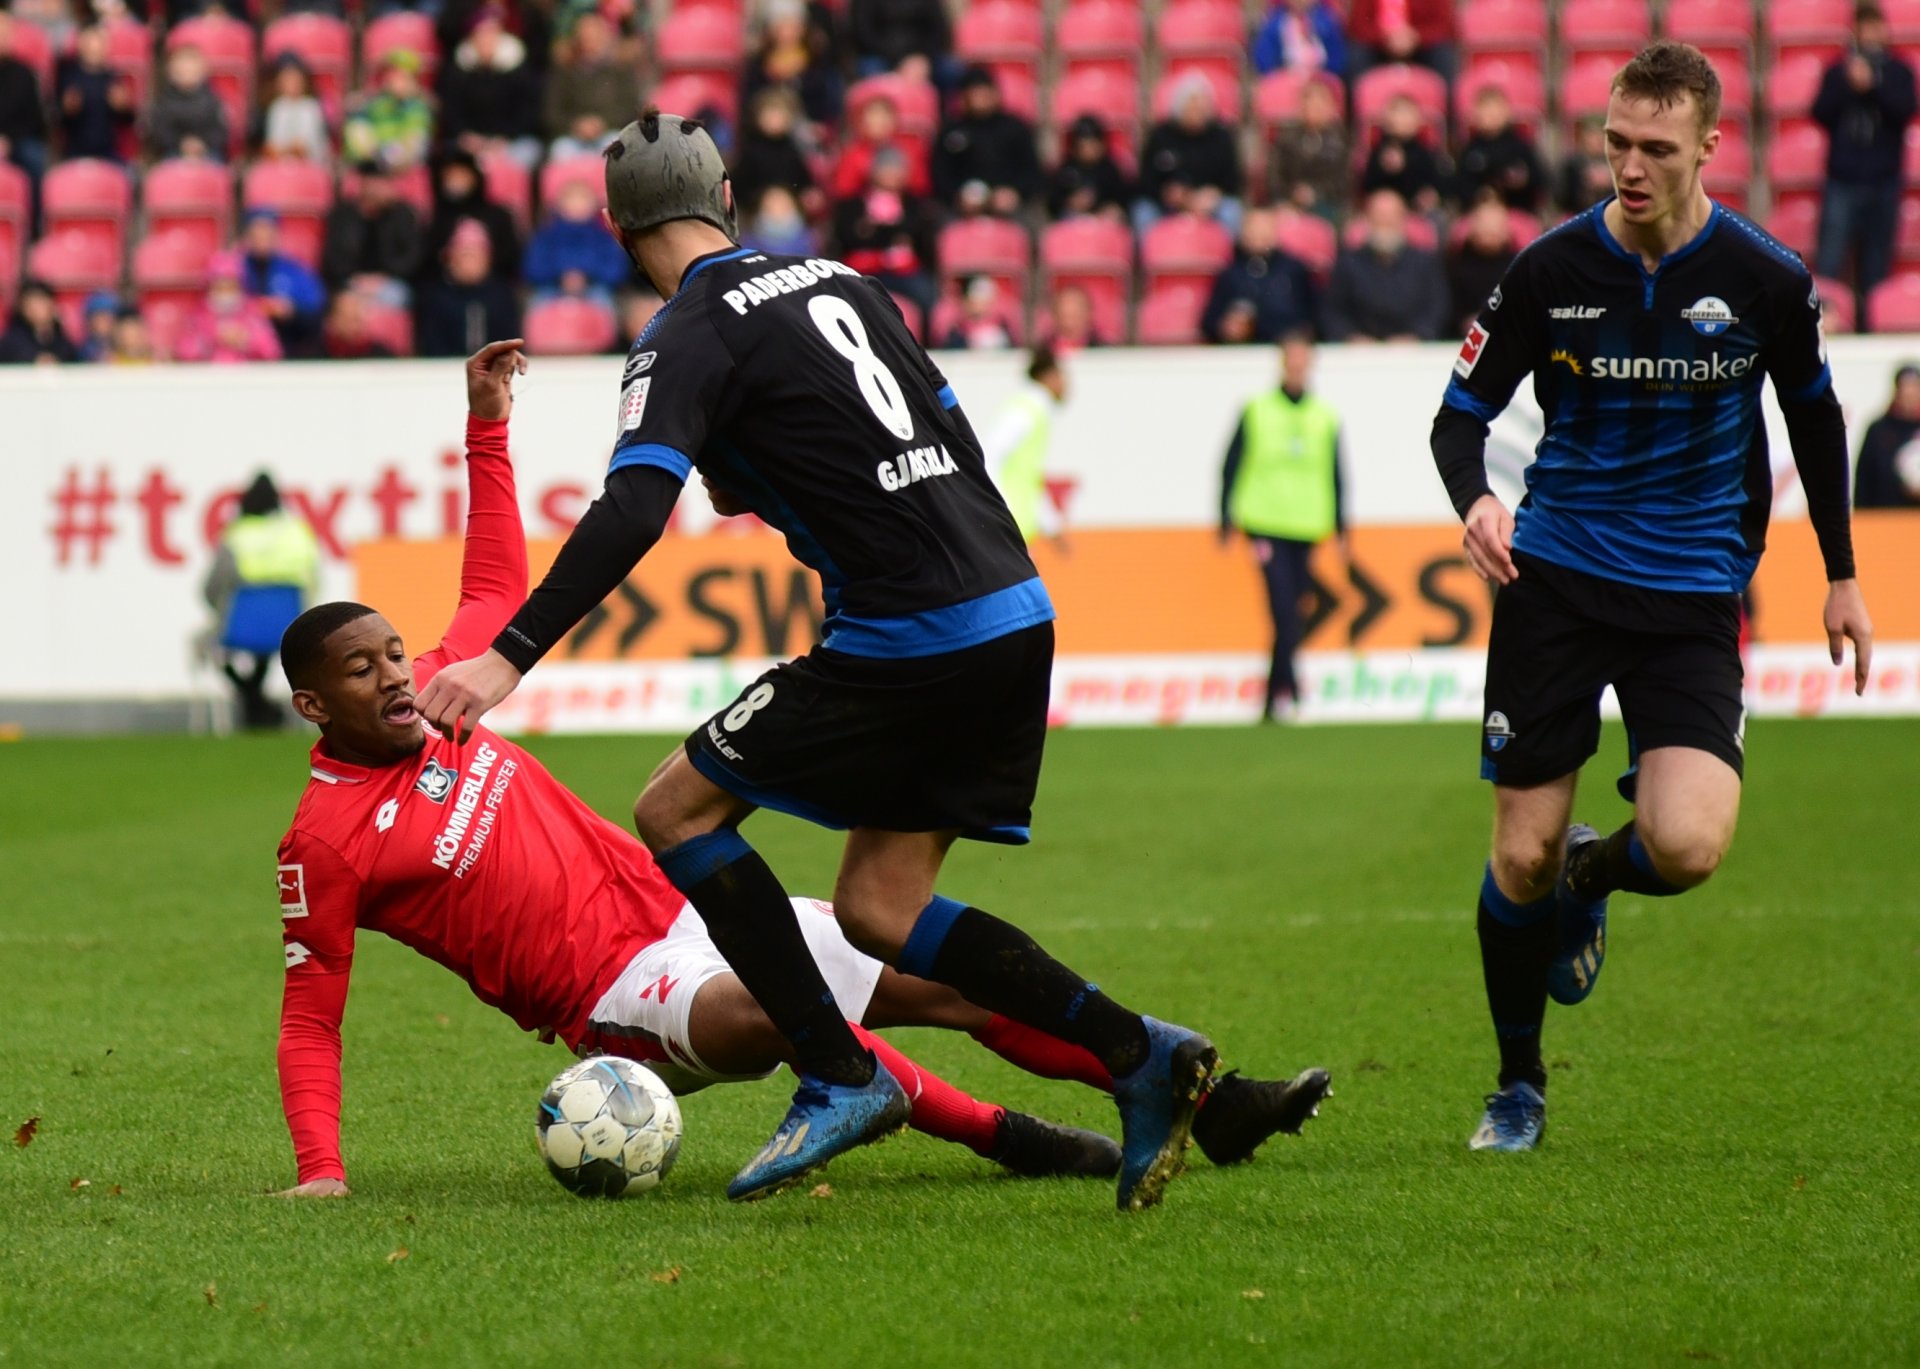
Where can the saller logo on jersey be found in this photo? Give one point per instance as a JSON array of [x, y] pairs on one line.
[[1470, 351]]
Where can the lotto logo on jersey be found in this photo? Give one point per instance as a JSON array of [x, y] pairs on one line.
[[633, 403], [1470, 351], [293, 891]]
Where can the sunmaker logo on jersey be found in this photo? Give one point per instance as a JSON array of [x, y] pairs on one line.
[[1709, 315], [1693, 370]]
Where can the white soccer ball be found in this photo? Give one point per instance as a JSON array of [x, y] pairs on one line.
[[608, 1128]]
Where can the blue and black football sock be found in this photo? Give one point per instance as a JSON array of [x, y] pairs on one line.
[[1516, 945], [1620, 862]]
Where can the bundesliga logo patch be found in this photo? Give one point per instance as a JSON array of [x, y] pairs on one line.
[[1499, 733], [1710, 316], [292, 880], [436, 782], [1470, 351]]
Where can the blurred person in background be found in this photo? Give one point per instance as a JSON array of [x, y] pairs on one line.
[[887, 231], [795, 55], [468, 303], [460, 196], [1403, 160], [345, 335], [1191, 163], [593, 93], [1865, 103], [1385, 290], [265, 570], [1384, 31], [572, 253], [35, 335], [1071, 324], [372, 240], [1312, 163], [1017, 446], [1888, 473], [770, 152], [23, 119], [96, 102], [1300, 35], [186, 119], [1281, 488], [636, 308], [1497, 156], [229, 327], [1585, 177], [985, 322], [287, 290], [1088, 179], [132, 341], [1476, 267], [877, 128], [1263, 293], [293, 124], [97, 324], [911, 37], [777, 226], [490, 95], [394, 125], [986, 160]]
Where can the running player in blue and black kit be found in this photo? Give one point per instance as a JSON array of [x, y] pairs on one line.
[[1648, 324], [795, 389]]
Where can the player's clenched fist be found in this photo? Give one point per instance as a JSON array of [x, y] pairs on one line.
[[1489, 541], [490, 373], [455, 700]]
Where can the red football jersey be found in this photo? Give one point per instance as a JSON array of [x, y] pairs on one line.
[[473, 855]]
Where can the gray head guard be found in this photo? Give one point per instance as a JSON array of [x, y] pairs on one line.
[[663, 167]]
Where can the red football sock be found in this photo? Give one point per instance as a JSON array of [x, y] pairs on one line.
[[939, 1109], [1047, 1056]]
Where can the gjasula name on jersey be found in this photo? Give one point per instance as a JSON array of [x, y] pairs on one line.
[[922, 463], [757, 290]]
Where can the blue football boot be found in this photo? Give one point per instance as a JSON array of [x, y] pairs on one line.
[[825, 1120], [1157, 1102], [1583, 929], [1516, 1119]]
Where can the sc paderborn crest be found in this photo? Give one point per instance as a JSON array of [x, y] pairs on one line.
[[1499, 732], [436, 782]]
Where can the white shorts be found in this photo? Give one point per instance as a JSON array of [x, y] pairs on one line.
[[652, 1000]]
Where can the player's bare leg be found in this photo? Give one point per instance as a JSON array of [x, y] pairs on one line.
[[887, 907], [1686, 807]]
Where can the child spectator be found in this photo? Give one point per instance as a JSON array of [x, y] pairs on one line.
[[35, 336], [489, 94], [286, 290], [1403, 160], [393, 126], [985, 323], [96, 341], [187, 118], [1300, 35], [794, 54], [294, 124], [229, 327], [1497, 156], [887, 231], [986, 160], [132, 342], [1312, 163], [594, 93], [96, 102], [770, 153], [1088, 179], [778, 226], [878, 126], [572, 253], [467, 305], [1191, 163]]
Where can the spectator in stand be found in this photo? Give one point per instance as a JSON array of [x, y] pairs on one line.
[[229, 327], [1088, 179], [777, 226], [489, 95], [529, 21], [1403, 160], [394, 125], [795, 55], [98, 319], [1312, 166], [637, 308], [985, 323], [1888, 475], [1585, 177], [912, 37], [286, 290], [986, 161], [132, 342], [1191, 164], [572, 253], [1385, 290], [345, 336], [770, 153], [460, 196], [887, 231], [1300, 35], [35, 335], [293, 124], [1865, 103], [594, 92], [187, 118], [23, 122], [1384, 31], [1497, 156], [878, 126], [467, 301], [96, 102], [1264, 294], [372, 241], [1476, 267], [1071, 324]]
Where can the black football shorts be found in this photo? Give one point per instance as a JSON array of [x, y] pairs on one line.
[[1561, 636], [925, 744]]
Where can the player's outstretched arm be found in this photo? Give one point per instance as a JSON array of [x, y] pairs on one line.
[[319, 900]]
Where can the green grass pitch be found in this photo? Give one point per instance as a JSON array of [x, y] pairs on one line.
[[1730, 1174]]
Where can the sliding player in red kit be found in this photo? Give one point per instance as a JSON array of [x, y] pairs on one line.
[[470, 852]]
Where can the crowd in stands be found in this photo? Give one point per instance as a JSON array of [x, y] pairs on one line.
[[239, 180]]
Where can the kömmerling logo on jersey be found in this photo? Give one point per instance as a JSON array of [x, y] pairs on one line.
[[1710, 316]]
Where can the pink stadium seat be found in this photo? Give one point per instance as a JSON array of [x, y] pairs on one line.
[[1002, 34], [170, 268], [570, 328], [130, 53], [1516, 74], [190, 197], [227, 45], [1114, 101], [1310, 238], [693, 92], [1894, 305], [1276, 99], [1797, 158], [1836, 304], [301, 194], [89, 198], [1711, 25], [1736, 93], [400, 31], [1101, 35], [985, 247], [588, 169], [1903, 16], [510, 185], [1610, 27], [1796, 223], [1170, 316], [1420, 233], [1019, 92], [1906, 244], [321, 42], [1503, 26], [702, 39], [1825, 26], [166, 320], [1792, 84], [1585, 88], [917, 101], [1374, 91], [915, 320], [16, 207], [32, 46], [73, 265], [1184, 248], [948, 314], [1729, 176], [1094, 254], [1524, 225], [1202, 28], [392, 325]]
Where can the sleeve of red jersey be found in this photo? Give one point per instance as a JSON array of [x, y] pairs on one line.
[[319, 906], [493, 565]]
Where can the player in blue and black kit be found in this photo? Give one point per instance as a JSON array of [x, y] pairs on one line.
[[1648, 324], [795, 389]]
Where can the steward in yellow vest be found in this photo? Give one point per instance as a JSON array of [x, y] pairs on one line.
[[1018, 444]]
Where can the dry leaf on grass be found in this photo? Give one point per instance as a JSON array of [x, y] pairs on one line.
[[27, 1130], [666, 1275], [821, 1191], [75, 1185], [398, 1254], [212, 1294], [1252, 1294]]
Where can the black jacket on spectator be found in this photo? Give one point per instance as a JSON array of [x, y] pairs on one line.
[[447, 214], [1278, 287], [1379, 297], [1506, 163], [873, 247], [761, 162], [1104, 179], [1472, 277], [998, 149], [177, 115], [1210, 157], [19, 344], [1866, 130], [895, 29], [94, 129], [1419, 170], [491, 103], [356, 245], [1876, 483], [458, 320], [21, 116]]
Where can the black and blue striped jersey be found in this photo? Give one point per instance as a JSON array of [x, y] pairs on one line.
[[1653, 469]]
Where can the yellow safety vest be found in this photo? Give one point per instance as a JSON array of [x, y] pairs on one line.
[[1284, 486], [273, 549], [1022, 476]]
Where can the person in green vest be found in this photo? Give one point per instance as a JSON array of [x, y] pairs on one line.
[[1016, 448], [1281, 486], [264, 573]]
